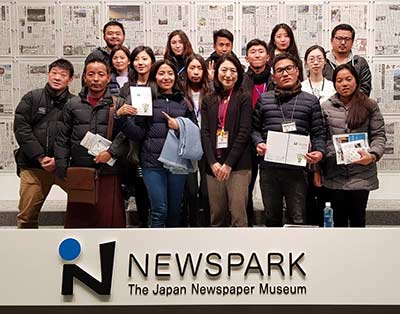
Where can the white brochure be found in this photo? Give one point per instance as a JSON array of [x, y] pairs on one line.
[[287, 148], [347, 145], [142, 100], [96, 144]]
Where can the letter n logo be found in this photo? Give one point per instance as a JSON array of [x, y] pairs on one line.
[[70, 249]]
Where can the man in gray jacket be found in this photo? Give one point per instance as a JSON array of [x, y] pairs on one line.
[[342, 39]]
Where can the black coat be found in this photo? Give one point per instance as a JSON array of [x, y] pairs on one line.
[[152, 131], [38, 118], [238, 124], [267, 116], [79, 118]]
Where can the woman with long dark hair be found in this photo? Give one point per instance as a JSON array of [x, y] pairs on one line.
[[196, 87], [350, 111], [119, 65], [281, 41], [225, 130], [165, 188], [141, 60], [178, 50]]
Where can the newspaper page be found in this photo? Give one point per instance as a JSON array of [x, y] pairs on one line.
[[6, 87], [76, 86], [81, 33], [132, 17], [386, 86], [306, 23], [32, 75], [357, 16], [7, 145], [257, 21], [387, 34], [5, 30], [391, 159], [36, 30], [340, 139], [212, 17], [165, 18]]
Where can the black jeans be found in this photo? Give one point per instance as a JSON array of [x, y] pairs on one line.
[[276, 183], [349, 207]]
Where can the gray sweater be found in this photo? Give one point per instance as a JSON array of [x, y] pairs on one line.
[[352, 176]]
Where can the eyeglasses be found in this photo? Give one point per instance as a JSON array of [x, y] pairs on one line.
[[289, 69], [319, 59], [345, 39]]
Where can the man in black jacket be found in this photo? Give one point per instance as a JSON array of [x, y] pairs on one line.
[[223, 44], [342, 39], [256, 81], [37, 121], [286, 109]]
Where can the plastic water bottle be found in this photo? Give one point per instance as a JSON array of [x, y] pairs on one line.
[[328, 215]]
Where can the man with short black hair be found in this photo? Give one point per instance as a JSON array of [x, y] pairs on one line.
[[256, 81], [342, 39], [113, 35], [286, 109], [223, 44], [37, 121]]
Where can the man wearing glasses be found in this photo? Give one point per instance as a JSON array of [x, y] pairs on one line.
[[286, 109], [342, 41]]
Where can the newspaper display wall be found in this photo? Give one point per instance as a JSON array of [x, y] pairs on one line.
[[306, 23], [5, 34], [166, 18], [6, 87], [7, 144], [32, 75], [80, 29], [386, 86], [357, 16], [212, 17], [132, 17], [36, 30], [257, 21], [387, 31], [76, 85], [391, 159]]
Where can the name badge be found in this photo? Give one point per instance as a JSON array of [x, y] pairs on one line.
[[289, 127], [222, 139]]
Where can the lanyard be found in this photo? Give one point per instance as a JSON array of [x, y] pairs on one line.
[[181, 70], [294, 108], [312, 89], [263, 89], [226, 104]]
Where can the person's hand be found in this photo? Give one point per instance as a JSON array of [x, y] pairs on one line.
[[224, 172], [172, 124], [216, 168], [317, 179], [103, 157], [313, 157], [365, 159], [47, 163], [261, 149], [126, 110], [210, 69]]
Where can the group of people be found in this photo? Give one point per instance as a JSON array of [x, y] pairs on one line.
[[217, 107]]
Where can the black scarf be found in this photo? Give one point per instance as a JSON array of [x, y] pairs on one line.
[[57, 99], [285, 94], [259, 78]]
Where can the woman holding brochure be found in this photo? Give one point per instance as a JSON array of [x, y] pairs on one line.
[[225, 132], [349, 170], [164, 187], [141, 60]]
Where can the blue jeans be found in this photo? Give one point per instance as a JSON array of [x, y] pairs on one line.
[[165, 192]]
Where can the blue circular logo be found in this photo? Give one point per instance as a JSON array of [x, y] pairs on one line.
[[69, 249]]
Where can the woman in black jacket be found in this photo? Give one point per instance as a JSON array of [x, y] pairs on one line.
[[164, 187], [225, 132]]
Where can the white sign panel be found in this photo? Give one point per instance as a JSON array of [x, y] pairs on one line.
[[199, 266]]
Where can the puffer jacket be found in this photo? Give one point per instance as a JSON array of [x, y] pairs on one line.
[[352, 176], [152, 131], [267, 116], [38, 118], [361, 66], [79, 118]]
